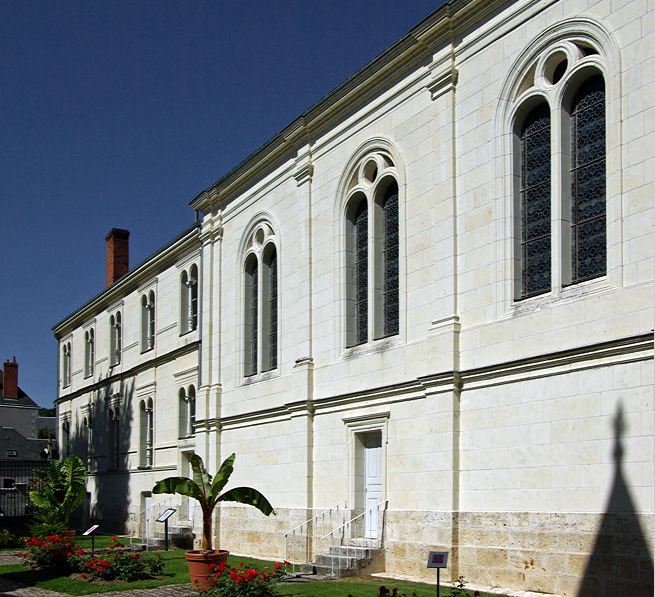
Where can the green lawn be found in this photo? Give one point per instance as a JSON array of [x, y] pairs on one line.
[[177, 573]]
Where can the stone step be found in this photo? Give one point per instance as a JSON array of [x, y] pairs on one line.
[[346, 561]]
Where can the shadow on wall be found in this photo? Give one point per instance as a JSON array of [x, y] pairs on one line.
[[621, 563], [101, 438]]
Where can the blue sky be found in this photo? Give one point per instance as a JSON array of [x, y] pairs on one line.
[[117, 113]]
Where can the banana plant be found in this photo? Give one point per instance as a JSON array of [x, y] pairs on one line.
[[207, 491], [60, 490]]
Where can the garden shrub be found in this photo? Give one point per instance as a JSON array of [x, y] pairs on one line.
[[8, 539], [58, 553], [227, 581]]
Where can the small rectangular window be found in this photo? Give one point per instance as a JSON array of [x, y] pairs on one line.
[[12, 454]]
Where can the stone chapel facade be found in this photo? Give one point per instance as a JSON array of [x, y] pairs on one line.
[[428, 299]]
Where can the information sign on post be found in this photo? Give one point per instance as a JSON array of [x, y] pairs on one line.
[[163, 517], [438, 560], [89, 531]]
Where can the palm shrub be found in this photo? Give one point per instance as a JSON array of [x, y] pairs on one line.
[[207, 491], [58, 491]]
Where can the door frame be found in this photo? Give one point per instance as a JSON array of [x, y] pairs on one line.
[[355, 426]]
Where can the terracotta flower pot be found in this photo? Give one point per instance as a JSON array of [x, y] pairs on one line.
[[199, 565]]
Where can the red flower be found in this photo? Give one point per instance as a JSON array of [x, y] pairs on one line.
[[277, 565], [113, 538], [83, 575], [287, 563]]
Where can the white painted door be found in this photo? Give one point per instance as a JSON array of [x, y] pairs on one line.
[[373, 482]]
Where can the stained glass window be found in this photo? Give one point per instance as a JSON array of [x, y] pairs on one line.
[[272, 310], [535, 202], [251, 308], [361, 272], [588, 227], [390, 261]]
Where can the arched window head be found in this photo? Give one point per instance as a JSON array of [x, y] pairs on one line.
[[261, 302], [115, 339], [189, 300], [148, 321], [372, 233], [560, 150]]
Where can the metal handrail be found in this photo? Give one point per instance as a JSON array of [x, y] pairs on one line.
[[302, 524], [349, 522], [302, 532]]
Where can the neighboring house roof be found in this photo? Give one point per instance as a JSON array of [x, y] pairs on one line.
[[14, 446]]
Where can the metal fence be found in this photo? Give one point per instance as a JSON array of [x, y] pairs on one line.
[[15, 477]]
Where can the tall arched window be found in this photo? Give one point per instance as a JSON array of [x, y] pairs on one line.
[[588, 228], [66, 357], [115, 338], [113, 439], [560, 140], [146, 433], [372, 252], [535, 202], [189, 299], [261, 302], [148, 321], [187, 411], [89, 352], [87, 438]]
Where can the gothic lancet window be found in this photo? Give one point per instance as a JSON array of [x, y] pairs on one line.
[[261, 311], [66, 364], [535, 202], [148, 321], [115, 338], [89, 352], [588, 228], [189, 299], [560, 145], [372, 245], [187, 411]]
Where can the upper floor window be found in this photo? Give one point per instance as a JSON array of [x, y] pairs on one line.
[[146, 432], [66, 355], [372, 252], [115, 338], [261, 302], [114, 439], [189, 299], [89, 352], [561, 147], [187, 411], [148, 321]]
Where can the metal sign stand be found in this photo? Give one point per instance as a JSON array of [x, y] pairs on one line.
[[438, 560], [89, 531], [164, 518]]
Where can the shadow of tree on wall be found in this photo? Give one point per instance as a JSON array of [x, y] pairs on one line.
[[621, 563], [101, 438]]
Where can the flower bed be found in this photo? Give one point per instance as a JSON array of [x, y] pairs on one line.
[[228, 581], [55, 552]]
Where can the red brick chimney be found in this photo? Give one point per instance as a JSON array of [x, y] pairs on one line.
[[10, 379], [118, 254]]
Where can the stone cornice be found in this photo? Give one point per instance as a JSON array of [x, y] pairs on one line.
[[622, 350], [129, 373]]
